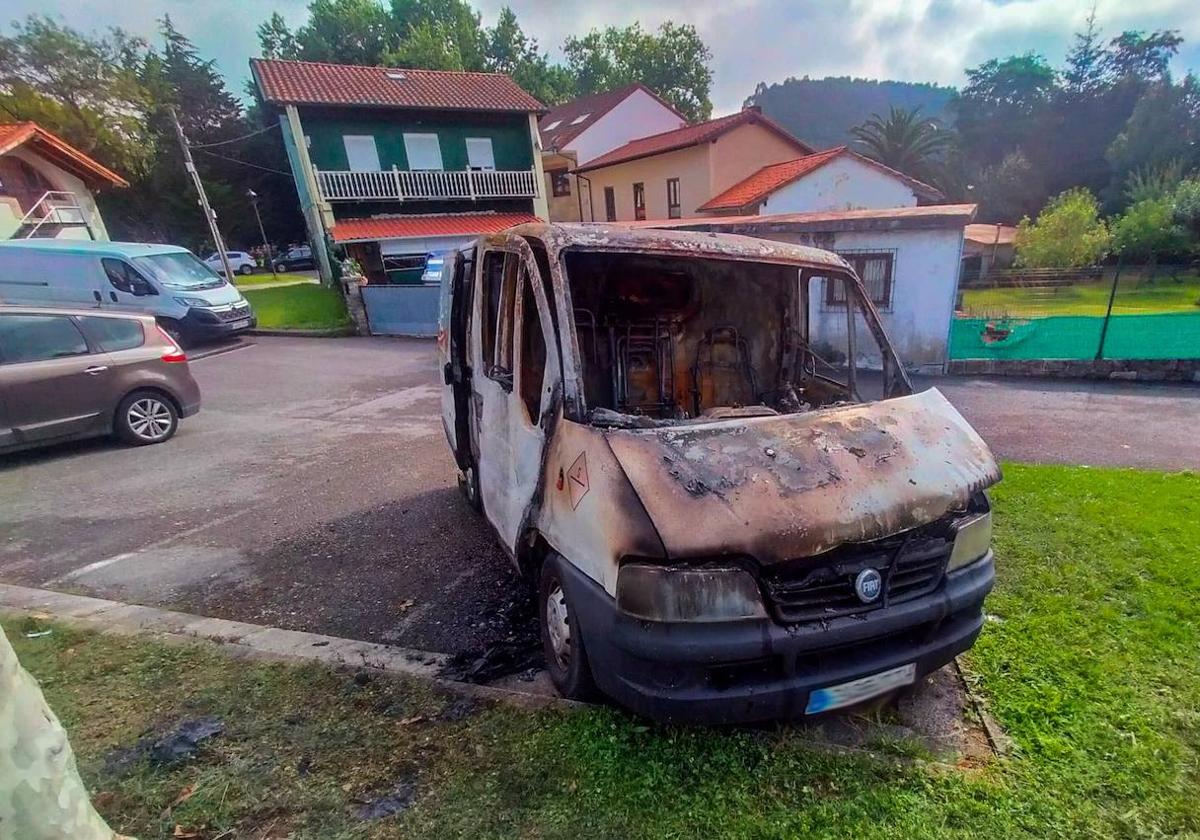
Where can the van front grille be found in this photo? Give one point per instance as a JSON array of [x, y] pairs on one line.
[[813, 588]]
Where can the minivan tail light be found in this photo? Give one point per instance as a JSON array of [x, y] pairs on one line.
[[173, 353]]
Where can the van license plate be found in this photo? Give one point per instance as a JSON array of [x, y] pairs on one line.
[[237, 325], [855, 691]]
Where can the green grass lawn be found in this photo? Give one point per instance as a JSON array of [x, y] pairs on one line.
[[1163, 295], [1090, 666], [307, 307]]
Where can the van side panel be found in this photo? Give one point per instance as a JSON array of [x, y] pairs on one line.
[[43, 277]]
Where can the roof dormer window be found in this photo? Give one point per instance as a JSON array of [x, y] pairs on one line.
[[397, 75], [553, 125], [580, 119]]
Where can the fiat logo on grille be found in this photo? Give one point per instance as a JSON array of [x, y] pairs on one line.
[[867, 585]]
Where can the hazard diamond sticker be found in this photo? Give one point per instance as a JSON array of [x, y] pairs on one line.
[[577, 480]]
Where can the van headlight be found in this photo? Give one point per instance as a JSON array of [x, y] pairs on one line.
[[191, 301], [972, 541], [687, 593]]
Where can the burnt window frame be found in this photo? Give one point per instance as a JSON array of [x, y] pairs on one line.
[[639, 201], [560, 182], [857, 260], [610, 204], [674, 208], [503, 308]]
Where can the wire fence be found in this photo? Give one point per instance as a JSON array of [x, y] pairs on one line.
[[1114, 312]]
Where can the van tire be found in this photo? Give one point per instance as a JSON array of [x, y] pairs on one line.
[[281, 268], [246, 270], [468, 484], [160, 418], [562, 643]]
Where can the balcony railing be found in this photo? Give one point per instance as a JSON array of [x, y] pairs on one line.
[[403, 185]]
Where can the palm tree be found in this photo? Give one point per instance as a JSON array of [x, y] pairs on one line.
[[905, 141]]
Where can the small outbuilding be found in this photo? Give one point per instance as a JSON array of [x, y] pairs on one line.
[[908, 258]]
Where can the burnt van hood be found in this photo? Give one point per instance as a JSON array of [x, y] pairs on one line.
[[782, 487]]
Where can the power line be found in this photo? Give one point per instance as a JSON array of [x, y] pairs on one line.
[[243, 162], [235, 139]]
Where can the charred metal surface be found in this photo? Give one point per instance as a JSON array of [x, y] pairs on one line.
[[779, 488]]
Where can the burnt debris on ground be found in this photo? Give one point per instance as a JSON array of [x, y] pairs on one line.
[[518, 647], [164, 750]]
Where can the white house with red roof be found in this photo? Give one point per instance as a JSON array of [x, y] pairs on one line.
[[47, 186], [586, 128], [398, 164], [835, 179]]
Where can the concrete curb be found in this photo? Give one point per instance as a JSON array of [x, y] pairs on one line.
[[335, 332], [253, 641]]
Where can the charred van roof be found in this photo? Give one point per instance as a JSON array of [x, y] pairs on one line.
[[616, 237]]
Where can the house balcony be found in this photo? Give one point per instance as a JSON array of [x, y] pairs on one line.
[[426, 185]]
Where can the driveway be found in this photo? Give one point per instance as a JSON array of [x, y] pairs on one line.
[[314, 491]]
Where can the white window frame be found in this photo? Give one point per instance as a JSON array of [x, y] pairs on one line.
[[421, 151], [476, 146], [362, 155]]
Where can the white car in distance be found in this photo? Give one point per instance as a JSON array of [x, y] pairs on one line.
[[239, 261]]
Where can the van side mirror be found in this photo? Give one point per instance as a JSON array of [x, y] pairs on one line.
[[140, 288]]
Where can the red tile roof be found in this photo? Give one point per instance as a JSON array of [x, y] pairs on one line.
[[987, 234], [689, 135], [403, 227], [592, 107], [58, 152], [316, 83], [768, 179], [752, 191]]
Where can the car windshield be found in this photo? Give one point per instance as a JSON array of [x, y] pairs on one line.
[[180, 270]]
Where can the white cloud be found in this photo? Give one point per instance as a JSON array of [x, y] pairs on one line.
[[751, 40]]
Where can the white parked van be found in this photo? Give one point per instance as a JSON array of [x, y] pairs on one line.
[[166, 281]]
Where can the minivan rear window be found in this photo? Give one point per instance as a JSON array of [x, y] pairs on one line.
[[113, 334], [179, 271]]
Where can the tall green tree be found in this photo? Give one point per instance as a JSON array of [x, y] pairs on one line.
[[342, 31], [1068, 233], [510, 50], [84, 88], [672, 61], [906, 141]]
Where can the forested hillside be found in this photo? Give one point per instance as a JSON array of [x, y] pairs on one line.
[[822, 111]]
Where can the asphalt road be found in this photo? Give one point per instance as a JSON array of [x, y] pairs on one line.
[[314, 491]]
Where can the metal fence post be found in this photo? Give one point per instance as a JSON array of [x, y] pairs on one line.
[[1108, 314]]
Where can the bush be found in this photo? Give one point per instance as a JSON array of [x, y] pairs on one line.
[[1148, 228], [1068, 233]]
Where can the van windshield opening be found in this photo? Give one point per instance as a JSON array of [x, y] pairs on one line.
[[180, 270], [667, 339]]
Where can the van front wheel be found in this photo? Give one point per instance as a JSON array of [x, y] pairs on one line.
[[562, 642]]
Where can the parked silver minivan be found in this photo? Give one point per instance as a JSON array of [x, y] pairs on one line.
[[187, 298]]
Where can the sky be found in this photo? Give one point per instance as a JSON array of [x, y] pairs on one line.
[[751, 40]]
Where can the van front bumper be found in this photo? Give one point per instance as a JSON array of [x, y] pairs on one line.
[[754, 670], [209, 323]]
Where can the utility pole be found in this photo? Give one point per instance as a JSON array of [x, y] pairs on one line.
[[209, 215], [253, 196]]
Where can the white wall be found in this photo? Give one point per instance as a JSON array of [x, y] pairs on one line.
[[66, 181], [924, 279], [842, 184], [638, 115]]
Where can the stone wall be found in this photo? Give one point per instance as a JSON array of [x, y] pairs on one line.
[[1142, 370]]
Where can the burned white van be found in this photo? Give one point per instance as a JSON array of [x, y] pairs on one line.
[[704, 453]]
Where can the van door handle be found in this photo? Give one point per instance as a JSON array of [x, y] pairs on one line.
[[94, 370], [96, 295], [112, 296]]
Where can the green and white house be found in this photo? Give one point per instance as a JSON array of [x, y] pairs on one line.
[[399, 164]]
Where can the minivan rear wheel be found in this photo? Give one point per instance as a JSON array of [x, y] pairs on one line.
[[246, 269], [146, 417], [562, 643]]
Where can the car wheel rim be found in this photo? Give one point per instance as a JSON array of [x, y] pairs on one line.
[[558, 625], [150, 419]]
